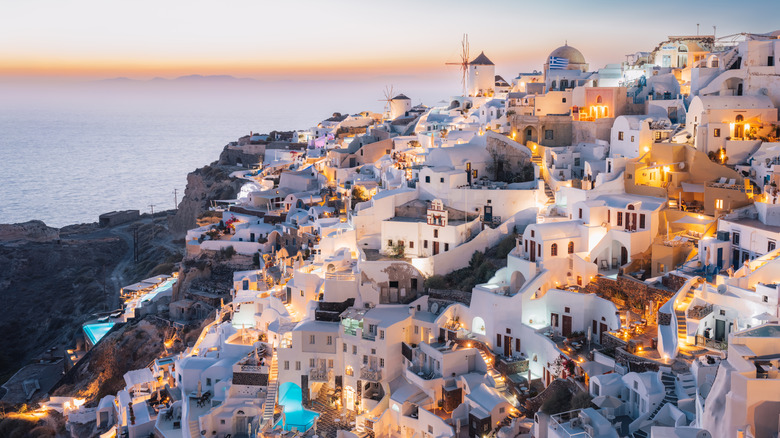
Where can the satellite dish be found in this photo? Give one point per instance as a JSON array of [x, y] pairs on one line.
[[682, 165], [435, 308]]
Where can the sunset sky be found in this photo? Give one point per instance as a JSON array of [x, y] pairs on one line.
[[339, 39]]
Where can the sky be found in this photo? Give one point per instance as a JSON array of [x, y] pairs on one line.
[[315, 39]]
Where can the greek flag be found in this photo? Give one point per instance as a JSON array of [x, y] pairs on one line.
[[557, 63]]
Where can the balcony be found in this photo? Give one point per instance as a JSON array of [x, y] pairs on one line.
[[345, 276], [370, 375], [699, 312], [320, 375]]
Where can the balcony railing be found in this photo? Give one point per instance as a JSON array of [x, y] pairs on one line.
[[699, 312], [370, 375], [320, 374], [346, 276]]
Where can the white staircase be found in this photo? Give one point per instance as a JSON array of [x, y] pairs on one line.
[[270, 397]]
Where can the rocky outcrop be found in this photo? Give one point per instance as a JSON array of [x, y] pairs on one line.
[[204, 185], [33, 231], [49, 286], [128, 347]]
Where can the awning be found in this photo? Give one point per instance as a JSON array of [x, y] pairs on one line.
[[690, 220], [692, 188]]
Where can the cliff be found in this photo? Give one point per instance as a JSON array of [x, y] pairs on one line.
[[53, 280], [206, 184]]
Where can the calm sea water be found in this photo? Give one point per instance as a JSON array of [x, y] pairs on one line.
[[68, 156]]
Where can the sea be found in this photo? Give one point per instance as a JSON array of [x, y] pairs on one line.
[[72, 151]]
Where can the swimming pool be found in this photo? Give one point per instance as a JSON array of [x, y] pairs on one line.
[[294, 414], [164, 287], [96, 331]]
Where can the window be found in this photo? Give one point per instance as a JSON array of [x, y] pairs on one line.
[[632, 138], [579, 280], [498, 339], [548, 134], [509, 331], [425, 244], [381, 334], [354, 350], [430, 429], [642, 221], [620, 219], [571, 248], [208, 381], [609, 213], [567, 310], [311, 339], [446, 247], [501, 410], [311, 363], [554, 249], [766, 299], [297, 365], [330, 340], [345, 348], [435, 234], [411, 244], [330, 363], [657, 135], [771, 245], [417, 330], [735, 238], [441, 180], [563, 100], [716, 132], [365, 360], [427, 179], [532, 233], [381, 362], [719, 204], [580, 213], [390, 242], [620, 135], [287, 365], [722, 313]]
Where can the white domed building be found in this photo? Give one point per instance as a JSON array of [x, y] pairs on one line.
[[564, 68]]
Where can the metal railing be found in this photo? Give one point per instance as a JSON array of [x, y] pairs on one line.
[[370, 375]]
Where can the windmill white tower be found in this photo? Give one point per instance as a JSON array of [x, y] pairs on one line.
[[464, 62]]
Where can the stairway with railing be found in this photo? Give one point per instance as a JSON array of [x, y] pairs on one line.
[[270, 396]]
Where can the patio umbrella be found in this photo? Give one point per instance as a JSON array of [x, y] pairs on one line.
[[607, 402], [765, 317]]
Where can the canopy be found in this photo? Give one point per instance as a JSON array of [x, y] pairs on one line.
[[607, 402], [765, 317], [692, 188]]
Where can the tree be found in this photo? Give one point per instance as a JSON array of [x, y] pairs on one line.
[[359, 194], [581, 400], [559, 401], [399, 250], [435, 282]]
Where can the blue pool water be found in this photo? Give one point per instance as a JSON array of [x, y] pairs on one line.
[[96, 331], [164, 287], [294, 414]]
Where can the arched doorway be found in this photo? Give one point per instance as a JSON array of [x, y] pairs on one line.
[[530, 134], [478, 325], [739, 126]]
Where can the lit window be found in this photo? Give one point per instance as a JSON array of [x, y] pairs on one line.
[[719, 204], [620, 135]]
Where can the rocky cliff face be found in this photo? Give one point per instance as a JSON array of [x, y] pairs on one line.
[[204, 185], [49, 282], [32, 231], [129, 347]]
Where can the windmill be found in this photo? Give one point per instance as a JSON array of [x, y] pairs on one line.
[[388, 100], [464, 61]]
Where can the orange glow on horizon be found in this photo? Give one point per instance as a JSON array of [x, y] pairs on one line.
[[139, 68]]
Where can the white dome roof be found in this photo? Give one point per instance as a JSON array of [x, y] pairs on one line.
[[566, 51]]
